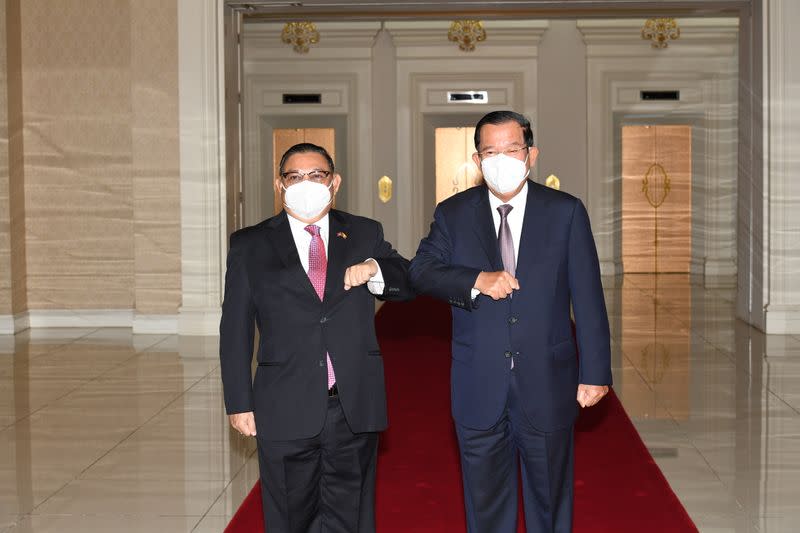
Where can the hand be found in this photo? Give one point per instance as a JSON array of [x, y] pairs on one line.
[[360, 274], [588, 395], [244, 423], [497, 285]]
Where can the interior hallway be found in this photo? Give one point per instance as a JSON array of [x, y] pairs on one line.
[[104, 430]]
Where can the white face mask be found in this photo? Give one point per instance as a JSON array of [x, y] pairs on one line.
[[307, 199], [504, 173]]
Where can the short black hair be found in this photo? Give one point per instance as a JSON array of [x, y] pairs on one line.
[[303, 148], [501, 117]]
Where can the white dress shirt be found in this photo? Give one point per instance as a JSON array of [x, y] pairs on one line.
[[515, 219], [302, 240]]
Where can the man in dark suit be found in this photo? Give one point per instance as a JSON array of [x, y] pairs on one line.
[[306, 278], [511, 257]]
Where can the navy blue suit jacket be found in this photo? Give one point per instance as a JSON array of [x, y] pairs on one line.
[[557, 268]]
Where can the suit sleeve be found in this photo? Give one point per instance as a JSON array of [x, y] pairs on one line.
[[433, 273], [236, 331], [394, 268], [588, 302]]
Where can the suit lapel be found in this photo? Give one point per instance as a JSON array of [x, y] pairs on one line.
[[484, 228], [280, 234], [338, 245], [534, 232]]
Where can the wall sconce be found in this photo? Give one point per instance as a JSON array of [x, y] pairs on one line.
[[385, 189], [553, 182]]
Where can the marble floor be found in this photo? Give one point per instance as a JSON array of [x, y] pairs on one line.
[[102, 430]]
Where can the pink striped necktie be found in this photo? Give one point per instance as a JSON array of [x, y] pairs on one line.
[[317, 270]]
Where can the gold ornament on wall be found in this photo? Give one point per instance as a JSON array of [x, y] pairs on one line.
[[466, 33], [385, 189], [300, 35], [553, 182], [656, 185], [660, 31]]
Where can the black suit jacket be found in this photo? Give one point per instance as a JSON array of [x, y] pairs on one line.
[[266, 286]]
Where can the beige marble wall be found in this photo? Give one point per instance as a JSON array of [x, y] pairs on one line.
[[91, 181], [5, 213], [77, 133], [16, 172], [156, 157]]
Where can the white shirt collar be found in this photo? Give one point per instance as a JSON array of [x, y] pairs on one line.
[[517, 202], [300, 225]]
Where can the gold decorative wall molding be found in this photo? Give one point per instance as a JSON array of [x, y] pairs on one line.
[[656, 185], [300, 35], [660, 31], [466, 33]]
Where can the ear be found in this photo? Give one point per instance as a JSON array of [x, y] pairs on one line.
[[477, 159], [337, 182], [533, 153], [276, 184]]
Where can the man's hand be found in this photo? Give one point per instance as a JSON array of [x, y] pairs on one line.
[[497, 285], [244, 423], [588, 395], [360, 273]]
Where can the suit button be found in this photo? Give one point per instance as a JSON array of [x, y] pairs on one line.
[[321, 362], [323, 320], [513, 320], [508, 354]]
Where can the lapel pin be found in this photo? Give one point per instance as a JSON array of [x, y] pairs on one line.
[[342, 235]]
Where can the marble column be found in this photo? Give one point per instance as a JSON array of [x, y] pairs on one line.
[[782, 192], [6, 319], [13, 296], [202, 154]]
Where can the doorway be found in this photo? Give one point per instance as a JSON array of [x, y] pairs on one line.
[[285, 138], [656, 198], [263, 151], [455, 169], [446, 150]]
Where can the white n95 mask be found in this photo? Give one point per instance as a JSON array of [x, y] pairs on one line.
[[504, 173], [307, 199]]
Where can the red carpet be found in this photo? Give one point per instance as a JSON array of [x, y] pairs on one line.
[[618, 487]]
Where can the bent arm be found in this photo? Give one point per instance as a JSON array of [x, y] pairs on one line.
[[433, 273], [393, 268]]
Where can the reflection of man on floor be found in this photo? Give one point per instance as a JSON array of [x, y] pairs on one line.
[[511, 257], [308, 277]]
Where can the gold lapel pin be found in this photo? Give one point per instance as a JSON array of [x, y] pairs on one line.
[[342, 235]]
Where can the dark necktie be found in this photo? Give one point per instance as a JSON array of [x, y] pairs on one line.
[[505, 240]]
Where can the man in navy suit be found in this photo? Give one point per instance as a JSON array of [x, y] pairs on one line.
[[512, 257]]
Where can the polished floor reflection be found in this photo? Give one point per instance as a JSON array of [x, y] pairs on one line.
[[101, 430]]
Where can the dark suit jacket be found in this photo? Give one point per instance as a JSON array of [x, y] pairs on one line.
[[266, 285], [557, 266]]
